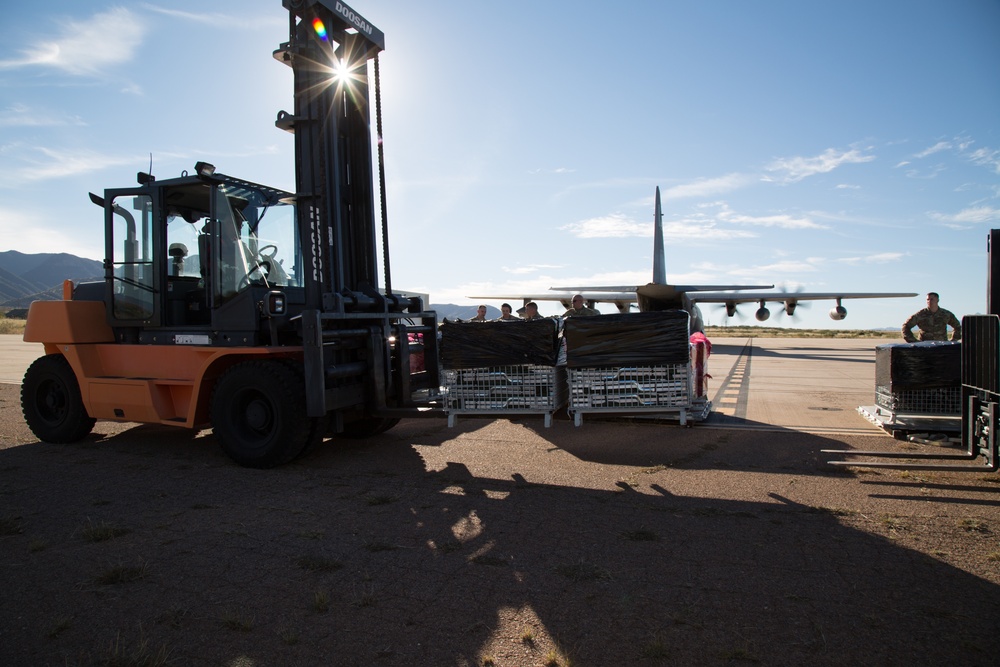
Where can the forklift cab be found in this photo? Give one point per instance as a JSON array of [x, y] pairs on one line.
[[204, 253]]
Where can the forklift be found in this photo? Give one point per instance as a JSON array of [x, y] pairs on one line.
[[245, 308]]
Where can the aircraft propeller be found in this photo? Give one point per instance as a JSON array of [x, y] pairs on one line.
[[791, 306]]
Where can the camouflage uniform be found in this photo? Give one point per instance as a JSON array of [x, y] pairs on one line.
[[933, 326], [579, 312]]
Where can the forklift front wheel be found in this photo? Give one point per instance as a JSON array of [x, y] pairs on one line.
[[259, 414], [51, 401]]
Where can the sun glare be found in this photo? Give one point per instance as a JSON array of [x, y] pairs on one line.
[[341, 72]]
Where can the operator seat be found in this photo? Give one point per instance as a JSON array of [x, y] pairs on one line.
[[196, 301], [177, 252]]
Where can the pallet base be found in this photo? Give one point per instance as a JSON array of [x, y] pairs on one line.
[[902, 426], [699, 410]]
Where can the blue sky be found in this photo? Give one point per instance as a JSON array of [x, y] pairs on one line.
[[829, 145]]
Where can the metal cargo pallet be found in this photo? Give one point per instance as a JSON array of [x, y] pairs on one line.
[[504, 390], [661, 390], [938, 401]]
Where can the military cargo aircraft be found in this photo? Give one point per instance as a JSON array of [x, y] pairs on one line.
[[660, 295]]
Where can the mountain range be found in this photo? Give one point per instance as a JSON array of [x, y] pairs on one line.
[[25, 278], [39, 277]]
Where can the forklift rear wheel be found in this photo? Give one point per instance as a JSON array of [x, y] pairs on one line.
[[259, 414], [51, 401]]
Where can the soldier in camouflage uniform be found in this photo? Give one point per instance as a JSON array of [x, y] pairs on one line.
[[531, 311], [506, 315], [480, 315], [579, 309], [933, 322]]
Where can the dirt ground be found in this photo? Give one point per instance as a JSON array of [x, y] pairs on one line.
[[491, 543]]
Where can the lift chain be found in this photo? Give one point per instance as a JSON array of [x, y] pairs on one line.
[[381, 178]]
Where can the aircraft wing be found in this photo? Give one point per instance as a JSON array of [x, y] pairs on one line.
[[790, 297], [789, 300], [677, 288]]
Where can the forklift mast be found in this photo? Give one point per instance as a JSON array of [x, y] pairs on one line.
[[328, 50]]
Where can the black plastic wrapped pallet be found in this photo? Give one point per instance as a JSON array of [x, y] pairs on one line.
[[481, 344], [925, 365], [632, 339]]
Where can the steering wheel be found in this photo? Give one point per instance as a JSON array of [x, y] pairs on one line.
[[264, 266], [270, 246]]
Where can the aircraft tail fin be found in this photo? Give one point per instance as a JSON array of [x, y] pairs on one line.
[[659, 258]]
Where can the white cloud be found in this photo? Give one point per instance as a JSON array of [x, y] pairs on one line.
[[876, 258], [556, 170], [701, 230], [976, 214], [986, 157], [936, 148], [707, 187], [794, 169], [86, 47], [615, 225], [788, 266], [927, 175], [531, 268], [697, 228], [20, 115], [132, 89], [782, 221], [25, 232], [44, 164], [238, 21]]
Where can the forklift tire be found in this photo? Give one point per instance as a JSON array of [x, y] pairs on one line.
[[259, 414], [51, 401], [366, 428]]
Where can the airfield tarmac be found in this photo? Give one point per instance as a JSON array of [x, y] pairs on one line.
[[800, 384], [502, 542]]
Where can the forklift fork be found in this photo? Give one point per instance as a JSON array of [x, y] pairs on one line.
[[979, 432]]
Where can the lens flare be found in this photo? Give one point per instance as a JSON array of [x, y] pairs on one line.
[[319, 28]]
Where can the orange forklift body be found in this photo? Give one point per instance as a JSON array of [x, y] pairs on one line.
[[164, 384]]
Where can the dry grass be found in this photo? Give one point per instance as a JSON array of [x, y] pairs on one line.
[[12, 326]]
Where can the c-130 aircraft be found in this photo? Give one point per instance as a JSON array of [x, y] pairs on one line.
[[660, 295]]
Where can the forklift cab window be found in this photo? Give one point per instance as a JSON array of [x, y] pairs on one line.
[[257, 244], [134, 285]]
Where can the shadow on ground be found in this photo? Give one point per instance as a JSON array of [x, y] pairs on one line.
[[361, 556]]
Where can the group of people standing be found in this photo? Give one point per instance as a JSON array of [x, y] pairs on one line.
[[932, 322], [531, 312], [507, 314]]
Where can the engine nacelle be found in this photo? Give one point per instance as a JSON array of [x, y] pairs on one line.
[[762, 314], [730, 309], [838, 313], [790, 308]]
